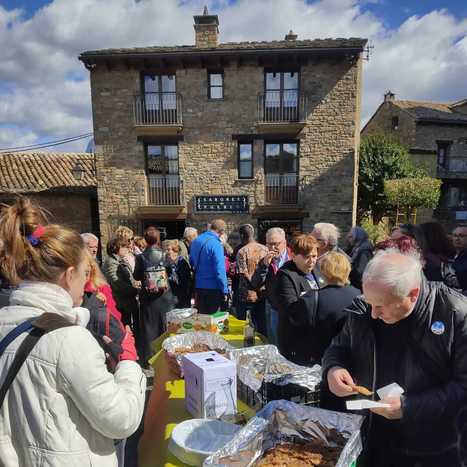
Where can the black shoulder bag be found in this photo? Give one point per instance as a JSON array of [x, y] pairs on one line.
[[35, 328]]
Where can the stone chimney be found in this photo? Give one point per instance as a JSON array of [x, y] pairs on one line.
[[291, 36], [389, 97], [206, 30]]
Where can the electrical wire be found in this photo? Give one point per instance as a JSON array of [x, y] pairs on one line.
[[45, 144]]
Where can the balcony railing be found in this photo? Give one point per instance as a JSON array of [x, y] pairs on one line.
[[158, 108], [165, 190], [281, 107], [281, 189]]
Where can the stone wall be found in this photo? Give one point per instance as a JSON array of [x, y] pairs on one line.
[[207, 35], [329, 143], [381, 123], [427, 135], [71, 210], [208, 153]]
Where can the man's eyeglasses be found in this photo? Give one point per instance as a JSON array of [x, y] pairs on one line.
[[274, 244], [459, 235]]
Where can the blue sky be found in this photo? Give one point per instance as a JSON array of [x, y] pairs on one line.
[[393, 12], [420, 49]]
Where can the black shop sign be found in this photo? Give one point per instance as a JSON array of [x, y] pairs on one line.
[[222, 203]]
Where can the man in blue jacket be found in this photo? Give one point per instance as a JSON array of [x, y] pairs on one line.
[[208, 262]]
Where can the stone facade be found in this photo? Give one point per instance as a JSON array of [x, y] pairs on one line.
[[420, 133], [207, 143]]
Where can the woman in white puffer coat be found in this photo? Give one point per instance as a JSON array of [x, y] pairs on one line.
[[63, 409]]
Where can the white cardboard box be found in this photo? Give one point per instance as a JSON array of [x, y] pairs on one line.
[[210, 385]]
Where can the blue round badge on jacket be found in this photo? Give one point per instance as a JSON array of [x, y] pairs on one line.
[[438, 328]]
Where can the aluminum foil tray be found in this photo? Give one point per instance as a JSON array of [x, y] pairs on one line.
[[284, 421], [188, 340]]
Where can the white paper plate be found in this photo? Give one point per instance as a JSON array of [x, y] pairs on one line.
[[194, 440]]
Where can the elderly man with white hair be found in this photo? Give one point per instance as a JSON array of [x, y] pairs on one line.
[[408, 331], [91, 242], [265, 274], [328, 238], [189, 234]]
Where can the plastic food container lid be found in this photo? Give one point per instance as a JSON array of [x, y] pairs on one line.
[[194, 440]]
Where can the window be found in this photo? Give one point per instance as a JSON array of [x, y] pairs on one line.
[[281, 158], [457, 197], [162, 159], [395, 123], [443, 149], [281, 95], [245, 160], [215, 85], [281, 172], [162, 175], [160, 92]]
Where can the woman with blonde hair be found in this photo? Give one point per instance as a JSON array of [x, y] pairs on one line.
[[63, 407], [179, 273], [331, 301], [126, 234], [96, 284], [139, 245]]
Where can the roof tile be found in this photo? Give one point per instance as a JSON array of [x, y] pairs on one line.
[[23, 172], [259, 45], [431, 111]]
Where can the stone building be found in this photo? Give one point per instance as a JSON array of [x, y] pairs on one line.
[[48, 180], [436, 136], [259, 132]]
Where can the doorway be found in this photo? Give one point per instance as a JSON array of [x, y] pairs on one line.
[[292, 228], [168, 229]]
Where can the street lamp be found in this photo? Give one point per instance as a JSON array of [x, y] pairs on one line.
[[81, 167], [78, 171]]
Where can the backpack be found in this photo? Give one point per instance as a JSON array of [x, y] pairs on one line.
[[155, 278]]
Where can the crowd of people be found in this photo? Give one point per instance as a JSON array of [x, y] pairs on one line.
[[370, 315]]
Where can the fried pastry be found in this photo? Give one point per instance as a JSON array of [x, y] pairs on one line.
[[300, 455], [362, 390]]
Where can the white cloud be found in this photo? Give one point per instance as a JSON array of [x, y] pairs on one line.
[[425, 58], [22, 138]]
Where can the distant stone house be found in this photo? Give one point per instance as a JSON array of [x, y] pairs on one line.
[[436, 135], [47, 178], [258, 132]]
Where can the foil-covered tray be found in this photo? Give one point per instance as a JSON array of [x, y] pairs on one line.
[[264, 364], [286, 422], [174, 345]]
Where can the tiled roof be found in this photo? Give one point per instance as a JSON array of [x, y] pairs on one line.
[[431, 111], [32, 172], [237, 46]]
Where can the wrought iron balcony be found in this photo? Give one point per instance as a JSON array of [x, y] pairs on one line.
[[281, 189], [158, 109], [282, 107], [165, 190]]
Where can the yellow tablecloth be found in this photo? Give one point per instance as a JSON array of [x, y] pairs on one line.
[[166, 406]]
